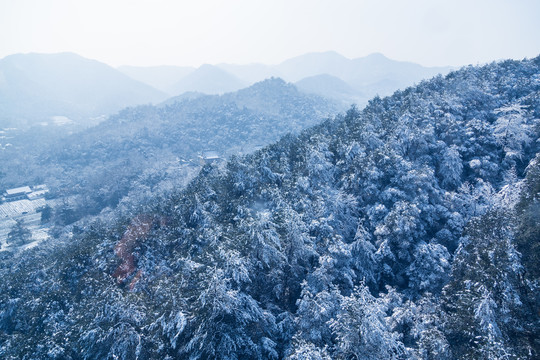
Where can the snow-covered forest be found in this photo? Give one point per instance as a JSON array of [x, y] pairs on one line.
[[406, 230]]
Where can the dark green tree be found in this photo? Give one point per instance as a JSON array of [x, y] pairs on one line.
[[19, 234], [46, 214]]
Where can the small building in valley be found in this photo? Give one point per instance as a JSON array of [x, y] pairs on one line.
[[25, 193], [209, 156], [15, 194]]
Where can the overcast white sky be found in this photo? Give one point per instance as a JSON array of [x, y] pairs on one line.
[[178, 32]]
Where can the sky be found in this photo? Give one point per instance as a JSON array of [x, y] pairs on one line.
[[195, 32]]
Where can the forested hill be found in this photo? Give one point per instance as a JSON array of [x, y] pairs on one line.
[[230, 123], [407, 230], [141, 148]]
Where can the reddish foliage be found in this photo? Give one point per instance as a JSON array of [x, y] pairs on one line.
[[138, 230], [135, 279]]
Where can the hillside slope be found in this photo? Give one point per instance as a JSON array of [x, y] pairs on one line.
[[159, 77], [207, 79], [137, 146], [34, 87], [401, 231], [330, 87]]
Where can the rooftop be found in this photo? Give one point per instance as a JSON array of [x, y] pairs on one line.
[[19, 190], [209, 155]]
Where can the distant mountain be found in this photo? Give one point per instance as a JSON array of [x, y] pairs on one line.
[[330, 87], [367, 76], [208, 79], [311, 64], [34, 87], [250, 73], [364, 70], [377, 69], [364, 77], [160, 77], [293, 69]]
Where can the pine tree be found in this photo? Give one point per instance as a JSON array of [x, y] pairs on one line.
[[19, 234], [362, 331], [482, 299]]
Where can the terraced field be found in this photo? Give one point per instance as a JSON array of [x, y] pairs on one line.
[[17, 208], [25, 210]]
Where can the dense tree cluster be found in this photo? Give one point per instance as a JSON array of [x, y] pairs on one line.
[[19, 234], [406, 230]]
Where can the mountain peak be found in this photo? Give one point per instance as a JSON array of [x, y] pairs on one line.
[[271, 85], [377, 56], [66, 84], [208, 67], [271, 81], [208, 79]]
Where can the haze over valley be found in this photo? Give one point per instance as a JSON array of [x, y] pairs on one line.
[[39, 88]]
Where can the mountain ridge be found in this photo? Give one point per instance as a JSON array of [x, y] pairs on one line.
[[208, 79], [66, 84], [161, 77], [360, 73]]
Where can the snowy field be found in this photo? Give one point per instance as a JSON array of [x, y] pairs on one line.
[[14, 209], [25, 210]]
